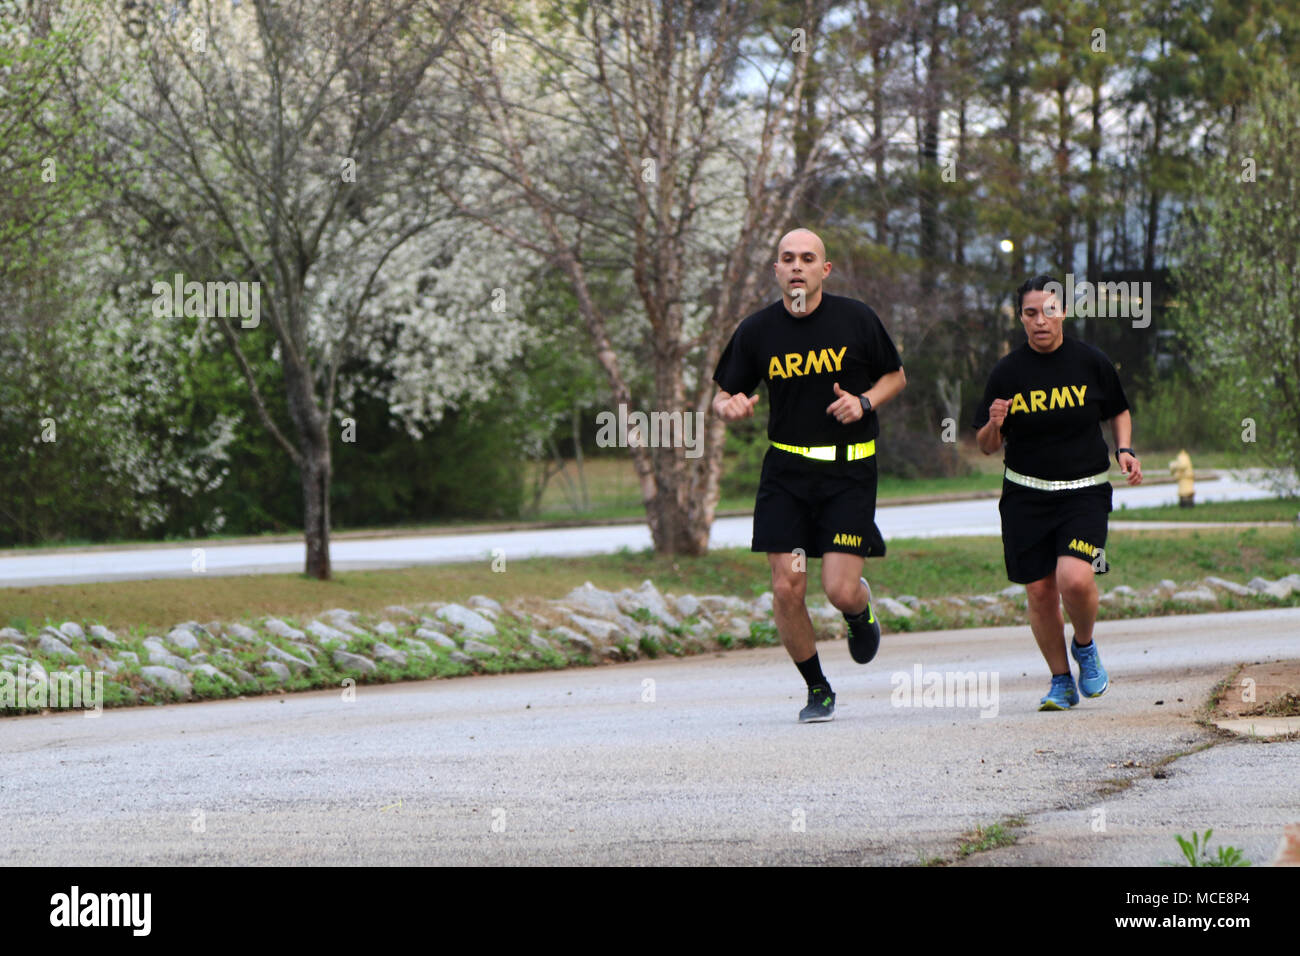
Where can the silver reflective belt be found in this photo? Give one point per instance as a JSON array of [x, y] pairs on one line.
[[1043, 484]]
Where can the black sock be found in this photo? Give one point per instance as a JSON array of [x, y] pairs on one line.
[[811, 669]]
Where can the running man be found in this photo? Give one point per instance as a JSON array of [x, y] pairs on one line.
[[828, 364], [1046, 400]]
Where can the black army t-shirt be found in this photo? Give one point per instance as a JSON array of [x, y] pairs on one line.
[[801, 358], [1058, 402]]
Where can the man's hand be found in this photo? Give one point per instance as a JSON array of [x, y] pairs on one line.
[[998, 411], [846, 408], [736, 407], [1131, 467]]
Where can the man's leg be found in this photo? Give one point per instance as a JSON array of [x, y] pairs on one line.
[[842, 579], [1046, 622], [788, 589], [789, 585], [1078, 586]]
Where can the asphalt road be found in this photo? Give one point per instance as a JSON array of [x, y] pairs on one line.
[[580, 767], [972, 517]]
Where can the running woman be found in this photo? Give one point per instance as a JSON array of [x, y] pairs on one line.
[[1045, 401], [829, 364]]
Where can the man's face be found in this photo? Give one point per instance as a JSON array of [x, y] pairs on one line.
[[1041, 315], [801, 265]]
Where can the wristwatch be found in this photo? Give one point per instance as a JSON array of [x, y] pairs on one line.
[[866, 404], [1129, 450]]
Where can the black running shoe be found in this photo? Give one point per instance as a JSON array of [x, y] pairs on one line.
[[864, 633], [821, 706]]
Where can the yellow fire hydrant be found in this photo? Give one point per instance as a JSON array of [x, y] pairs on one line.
[[1181, 467]]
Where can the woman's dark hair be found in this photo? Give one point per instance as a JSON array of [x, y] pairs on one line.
[[1037, 284]]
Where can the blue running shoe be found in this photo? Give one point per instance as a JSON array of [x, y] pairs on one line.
[[1093, 679], [1062, 696]]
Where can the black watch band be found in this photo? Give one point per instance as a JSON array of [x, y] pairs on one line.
[[866, 404], [1129, 450]]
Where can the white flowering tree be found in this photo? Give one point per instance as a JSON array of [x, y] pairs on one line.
[[277, 145], [661, 150]]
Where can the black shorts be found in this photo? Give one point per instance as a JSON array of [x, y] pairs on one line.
[[1040, 526], [817, 506]]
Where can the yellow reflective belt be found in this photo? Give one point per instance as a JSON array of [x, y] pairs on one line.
[[863, 449]]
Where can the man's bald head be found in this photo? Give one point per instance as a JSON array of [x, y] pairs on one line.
[[797, 240], [800, 268]]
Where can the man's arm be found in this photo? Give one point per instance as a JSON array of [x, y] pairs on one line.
[[732, 408], [886, 388], [1121, 426]]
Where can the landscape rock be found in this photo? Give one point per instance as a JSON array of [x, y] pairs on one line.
[[469, 621], [242, 675], [326, 634], [461, 658], [245, 635], [593, 599], [354, 662], [183, 638], [987, 600], [52, 646], [12, 634], [911, 600], [893, 608], [1195, 596], [437, 637], [573, 637], [1232, 587], [956, 601], [483, 603], [128, 657], [168, 677], [480, 649], [212, 672], [720, 604], [281, 656], [1013, 591], [72, 630], [281, 629], [1123, 590], [762, 605], [539, 642], [389, 654], [158, 654], [1167, 585], [397, 610], [601, 630], [1280, 589], [103, 635], [306, 651], [275, 669], [687, 605], [386, 629], [419, 648]]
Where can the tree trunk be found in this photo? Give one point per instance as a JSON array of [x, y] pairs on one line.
[[315, 474]]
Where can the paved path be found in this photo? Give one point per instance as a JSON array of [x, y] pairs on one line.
[[579, 767], [972, 517]]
